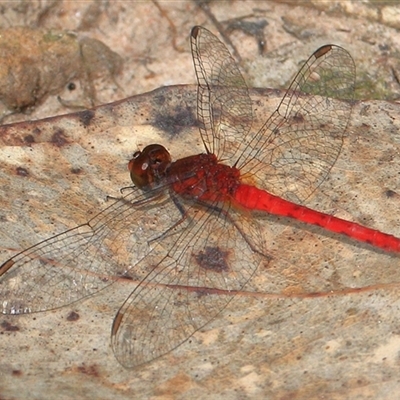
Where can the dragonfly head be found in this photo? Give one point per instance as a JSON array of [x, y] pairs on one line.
[[148, 166]]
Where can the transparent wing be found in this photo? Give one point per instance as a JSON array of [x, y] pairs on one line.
[[298, 145], [188, 261], [88, 258], [224, 109], [187, 287]]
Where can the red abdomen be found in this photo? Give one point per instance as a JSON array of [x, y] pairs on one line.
[[256, 199]]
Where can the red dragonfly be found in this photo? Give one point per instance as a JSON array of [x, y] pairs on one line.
[[185, 227]]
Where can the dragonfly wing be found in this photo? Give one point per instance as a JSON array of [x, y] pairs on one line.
[[224, 108], [184, 288], [81, 261], [298, 145]]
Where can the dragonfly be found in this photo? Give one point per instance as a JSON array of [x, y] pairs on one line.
[[186, 233]]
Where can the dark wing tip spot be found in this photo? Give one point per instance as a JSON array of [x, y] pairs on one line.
[[195, 31], [6, 266], [322, 51]]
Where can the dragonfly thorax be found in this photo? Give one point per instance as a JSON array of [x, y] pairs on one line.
[[204, 178]]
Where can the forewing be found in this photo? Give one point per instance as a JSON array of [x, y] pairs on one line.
[[88, 258], [185, 288], [298, 145], [224, 108]]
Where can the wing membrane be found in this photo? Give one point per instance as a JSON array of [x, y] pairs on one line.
[[298, 145], [86, 259], [185, 288], [224, 108]]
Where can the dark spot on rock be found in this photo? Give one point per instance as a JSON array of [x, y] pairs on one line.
[[86, 117], [89, 370], [73, 316], [8, 327], [76, 171], [159, 100], [352, 311], [16, 372], [59, 138], [252, 28], [125, 275], [390, 193], [298, 118], [37, 131], [22, 171], [29, 139], [384, 47], [173, 123], [213, 258]]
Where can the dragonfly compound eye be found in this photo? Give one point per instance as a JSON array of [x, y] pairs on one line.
[[149, 165]]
